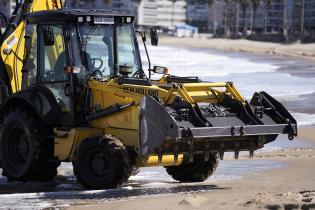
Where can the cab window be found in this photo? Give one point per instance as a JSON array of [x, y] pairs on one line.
[[52, 61], [54, 55]]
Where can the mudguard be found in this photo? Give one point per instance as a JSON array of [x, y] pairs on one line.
[[37, 97]]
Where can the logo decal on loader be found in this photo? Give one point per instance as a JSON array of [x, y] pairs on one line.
[[142, 91]]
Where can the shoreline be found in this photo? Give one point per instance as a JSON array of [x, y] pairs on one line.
[[287, 179], [276, 188], [295, 50]]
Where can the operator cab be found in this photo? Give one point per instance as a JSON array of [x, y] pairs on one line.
[[66, 47]]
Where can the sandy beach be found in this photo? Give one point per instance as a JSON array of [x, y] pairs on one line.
[[280, 176], [242, 45], [291, 186]]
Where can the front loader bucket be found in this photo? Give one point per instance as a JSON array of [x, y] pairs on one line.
[[183, 128]]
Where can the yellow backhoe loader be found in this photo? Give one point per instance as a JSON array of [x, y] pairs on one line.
[[73, 89]]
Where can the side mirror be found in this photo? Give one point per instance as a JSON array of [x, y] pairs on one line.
[[125, 70], [154, 36], [160, 70], [48, 35]]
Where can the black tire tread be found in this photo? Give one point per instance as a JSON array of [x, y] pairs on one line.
[[39, 169], [115, 146], [197, 171]]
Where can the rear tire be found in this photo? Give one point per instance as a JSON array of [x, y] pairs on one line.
[[102, 163], [25, 149], [196, 171]]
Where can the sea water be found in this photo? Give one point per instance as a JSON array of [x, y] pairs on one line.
[[249, 75]]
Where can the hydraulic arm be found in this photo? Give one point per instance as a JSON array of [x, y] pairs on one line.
[[12, 41]]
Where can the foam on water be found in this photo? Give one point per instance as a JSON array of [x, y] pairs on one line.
[[249, 76], [304, 119], [183, 62]]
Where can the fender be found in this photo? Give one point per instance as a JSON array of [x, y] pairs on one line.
[[38, 98]]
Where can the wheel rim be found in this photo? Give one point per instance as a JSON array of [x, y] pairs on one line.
[[97, 164], [19, 148]]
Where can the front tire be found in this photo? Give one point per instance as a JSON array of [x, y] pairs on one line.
[[197, 171], [102, 163]]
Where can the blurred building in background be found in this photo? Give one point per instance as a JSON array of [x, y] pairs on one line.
[[6, 8], [309, 20], [163, 13], [197, 14], [258, 19], [127, 5]]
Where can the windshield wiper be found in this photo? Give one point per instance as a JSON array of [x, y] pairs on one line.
[[89, 35]]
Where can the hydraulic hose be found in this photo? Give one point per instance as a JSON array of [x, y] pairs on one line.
[[17, 16]]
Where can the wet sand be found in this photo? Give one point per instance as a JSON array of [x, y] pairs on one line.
[[289, 187]]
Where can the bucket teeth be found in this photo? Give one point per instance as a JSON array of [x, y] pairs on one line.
[[145, 159], [236, 154], [206, 156], [160, 152], [237, 150], [175, 153], [191, 152], [175, 157], [251, 150], [221, 151], [207, 148], [191, 157], [251, 153]]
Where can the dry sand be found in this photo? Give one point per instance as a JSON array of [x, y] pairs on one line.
[[241, 45], [289, 187]]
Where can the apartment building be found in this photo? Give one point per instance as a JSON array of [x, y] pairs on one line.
[[309, 15], [197, 14], [126, 5], [7, 7], [250, 17], [284, 15], [164, 13]]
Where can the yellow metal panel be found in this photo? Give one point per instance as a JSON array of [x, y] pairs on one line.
[[167, 160], [66, 143], [63, 146], [14, 61], [128, 137], [204, 85], [39, 5], [231, 88]]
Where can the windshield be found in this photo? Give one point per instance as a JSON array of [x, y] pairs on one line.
[[97, 49]]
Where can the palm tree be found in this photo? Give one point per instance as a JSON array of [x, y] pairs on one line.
[[255, 4], [226, 2], [302, 17], [212, 8], [244, 6], [173, 4], [237, 16], [285, 21], [266, 11]]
